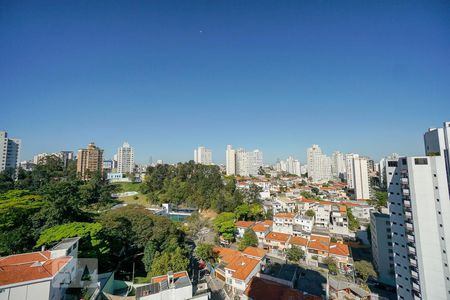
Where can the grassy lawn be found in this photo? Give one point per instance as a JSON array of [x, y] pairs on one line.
[[141, 200], [129, 186]]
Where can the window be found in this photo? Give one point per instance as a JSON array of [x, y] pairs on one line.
[[392, 164], [421, 161]]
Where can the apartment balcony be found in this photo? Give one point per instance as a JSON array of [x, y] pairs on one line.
[[413, 262], [411, 238], [409, 226], [411, 250], [417, 295], [404, 181], [405, 192], [407, 203], [416, 287], [408, 215], [414, 275]]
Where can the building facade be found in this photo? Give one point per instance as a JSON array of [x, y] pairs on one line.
[[358, 176], [89, 160], [9, 152], [319, 165], [203, 156], [125, 159]]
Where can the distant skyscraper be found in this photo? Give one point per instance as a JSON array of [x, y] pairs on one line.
[[89, 160], [358, 176], [248, 162], [338, 164], [9, 152], [125, 159], [319, 165], [66, 157], [419, 206], [203, 156], [230, 161]]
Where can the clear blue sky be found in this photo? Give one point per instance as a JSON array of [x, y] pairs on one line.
[[357, 76]]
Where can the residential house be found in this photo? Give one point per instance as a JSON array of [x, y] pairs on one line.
[[283, 222], [242, 226], [277, 242], [262, 229]]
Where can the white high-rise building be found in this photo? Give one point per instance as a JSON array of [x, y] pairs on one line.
[[9, 152], [203, 156], [338, 164], [248, 162], [319, 165], [125, 159], [292, 166], [358, 176], [230, 161], [419, 205]]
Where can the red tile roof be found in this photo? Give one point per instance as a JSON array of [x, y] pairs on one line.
[[277, 236], [318, 242], [339, 249], [256, 252], [262, 226], [30, 266], [158, 279], [262, 289], [298, 241], [226, 254], [244, 224], [285, 215], [243, 266]]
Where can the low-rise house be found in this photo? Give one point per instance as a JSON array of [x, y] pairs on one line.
[[341, 253], [242, 226], [262, 289], [322, 215], [318, 247], [299, 242], [236, 269], [39, 275], [362, 212], [173, 286], [283, 222], [283, 204], [347, 290], [277, 242], [303, 224], [261, 229]]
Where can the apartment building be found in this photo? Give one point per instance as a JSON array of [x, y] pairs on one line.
[[319, 165], [89, 160], [382, 253], [283, 222], [203, 156], [9, 152], [125, 159], [230, 163], [358, 176]]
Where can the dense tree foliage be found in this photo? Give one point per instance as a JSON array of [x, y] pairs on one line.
[[224, 225], [294, 254], [205, 252], [353, 223], [192, 184], [364, 269], [248, 240]]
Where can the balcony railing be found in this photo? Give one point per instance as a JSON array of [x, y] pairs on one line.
[[414, 275], [411, 250], [405, 181], [413, 262], [411, 238], [405, 192]]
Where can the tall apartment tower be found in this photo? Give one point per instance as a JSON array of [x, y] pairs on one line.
[[9, 152], [358, 176], [383, 255], [125, 159], [248, 162], [319, 165], [419, 204], [230, 161], [89, 160], [338, 164], [203, 156]]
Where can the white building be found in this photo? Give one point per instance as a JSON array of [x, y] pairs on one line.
[[9, 152], [230, 161], [319, 165], [358, 176], [203, 156], [338, 164], [39, 275], [382, 253], [248, 162], [125, 159]]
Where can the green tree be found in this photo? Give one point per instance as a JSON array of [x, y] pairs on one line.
[[205, 252], [295, 254], [224, 224], [174, 261], [353, 223], [364, 269], [331, 263], [248, 240], [150, 251], [310, 213]]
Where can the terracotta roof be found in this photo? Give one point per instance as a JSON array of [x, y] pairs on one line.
[[30, 266], [285, 215], [244, 224], [262, 289], [262, 226], [242, 266], [339, 249], [256, 252], [158, 279], [226, 254], [343, 208], [298, 241], [277, 236], [319, 242]]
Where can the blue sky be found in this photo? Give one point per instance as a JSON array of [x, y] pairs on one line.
[[357, 76]]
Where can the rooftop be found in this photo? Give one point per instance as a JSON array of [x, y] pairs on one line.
[[161, 283], [244, 224], [277, 236], [242, 266], [262, 226], [29, 267], [261, 289], [253, 251]]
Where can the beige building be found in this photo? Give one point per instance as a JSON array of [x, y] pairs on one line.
[[89, 161]]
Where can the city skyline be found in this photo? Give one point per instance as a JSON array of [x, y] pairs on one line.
[[276, 76]]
